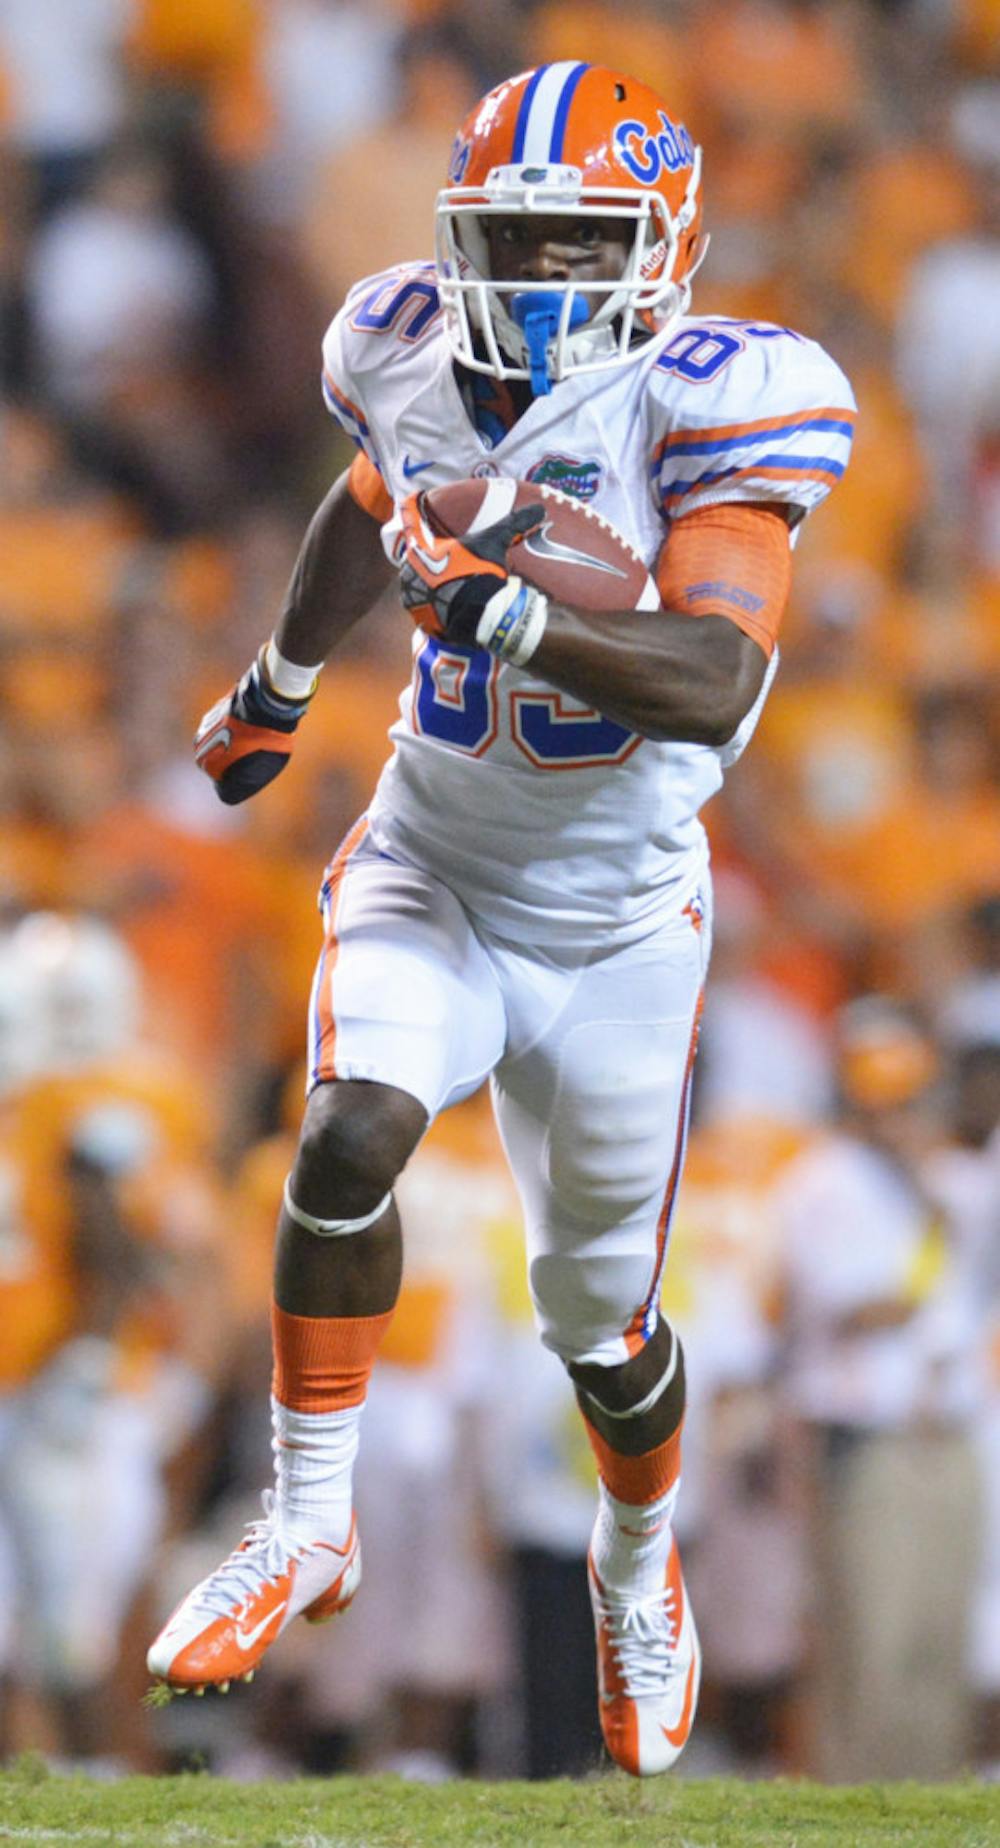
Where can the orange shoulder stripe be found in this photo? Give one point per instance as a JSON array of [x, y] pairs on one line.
[[760, 426]]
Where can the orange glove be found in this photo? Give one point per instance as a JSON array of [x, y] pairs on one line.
[[245, 741], [446, 583]]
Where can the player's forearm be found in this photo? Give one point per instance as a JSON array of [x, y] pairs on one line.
[[664, 675], [340, 572]]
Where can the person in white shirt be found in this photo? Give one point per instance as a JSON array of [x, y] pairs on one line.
[[881, 1369]]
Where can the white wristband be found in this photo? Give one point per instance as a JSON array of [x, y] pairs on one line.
[[513, 622], [287, 677]]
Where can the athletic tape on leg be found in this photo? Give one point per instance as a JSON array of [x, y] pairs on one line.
[[332, 1228]]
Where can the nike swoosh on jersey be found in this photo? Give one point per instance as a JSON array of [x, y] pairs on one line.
[[411, 468], [541, 546], [245, 1639]]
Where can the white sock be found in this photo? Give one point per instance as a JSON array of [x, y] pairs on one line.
[[631, 1542], [314, 1456]]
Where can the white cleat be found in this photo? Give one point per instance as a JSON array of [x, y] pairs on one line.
[[220, 1631], [649, 1668]]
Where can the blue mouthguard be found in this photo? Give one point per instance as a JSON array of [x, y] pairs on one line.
[[537, 314]]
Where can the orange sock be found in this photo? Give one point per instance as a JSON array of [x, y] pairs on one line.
[[641, 1479], [323, 1363]]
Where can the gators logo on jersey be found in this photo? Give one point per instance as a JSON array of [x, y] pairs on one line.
[[581, 479]]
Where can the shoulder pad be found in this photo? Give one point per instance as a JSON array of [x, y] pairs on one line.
[[746, 411], [384, 317]]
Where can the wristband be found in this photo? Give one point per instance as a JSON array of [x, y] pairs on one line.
[[287, 677], [513, 622]]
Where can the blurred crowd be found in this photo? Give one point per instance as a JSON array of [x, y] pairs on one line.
[[187, 189]]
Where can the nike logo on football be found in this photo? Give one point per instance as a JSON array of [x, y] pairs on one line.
[[411, 468], [245, 1639], [541, 546]]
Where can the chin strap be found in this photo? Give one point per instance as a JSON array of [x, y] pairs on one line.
[[538, 313]]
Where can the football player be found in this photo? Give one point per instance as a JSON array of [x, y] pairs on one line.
[[527, 897]]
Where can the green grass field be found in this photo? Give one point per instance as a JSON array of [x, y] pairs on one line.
[[352, 1812]]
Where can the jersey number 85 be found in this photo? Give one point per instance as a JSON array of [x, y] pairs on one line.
[[456, 700]]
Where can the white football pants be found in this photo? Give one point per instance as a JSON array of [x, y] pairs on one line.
[[590, 1062]]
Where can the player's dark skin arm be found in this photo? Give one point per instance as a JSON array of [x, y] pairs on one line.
[[662, 674], [340, 572]]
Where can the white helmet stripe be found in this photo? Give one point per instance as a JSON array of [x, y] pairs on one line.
[[535, 127]]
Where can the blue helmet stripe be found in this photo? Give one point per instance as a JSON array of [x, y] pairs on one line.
[[562, 111], [521, 125]]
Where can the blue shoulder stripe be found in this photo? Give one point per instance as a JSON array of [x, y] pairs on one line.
[[696, 447]]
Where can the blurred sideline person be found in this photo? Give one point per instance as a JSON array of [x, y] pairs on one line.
[[883, 1329], [528, 896], [108, 1296], [966, 1175]]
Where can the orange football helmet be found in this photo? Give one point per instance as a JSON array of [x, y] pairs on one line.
[[579, 141]]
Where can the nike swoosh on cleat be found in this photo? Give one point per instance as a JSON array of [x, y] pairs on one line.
[[246, 1639], [676, 1735], [414, 468]]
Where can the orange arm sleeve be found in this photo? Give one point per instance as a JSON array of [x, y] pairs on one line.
[[369, 490], [733, 561]]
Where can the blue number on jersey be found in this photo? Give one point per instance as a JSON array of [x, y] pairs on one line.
[[455, 701], [456, 697], [407, 306], [553, 739], [700, 353]]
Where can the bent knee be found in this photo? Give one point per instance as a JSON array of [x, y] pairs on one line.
[[582, 1308], [355, 1140]]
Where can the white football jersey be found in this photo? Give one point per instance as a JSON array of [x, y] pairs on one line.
[[548, 820]]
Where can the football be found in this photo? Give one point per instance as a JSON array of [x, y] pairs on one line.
[[576, 557]]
